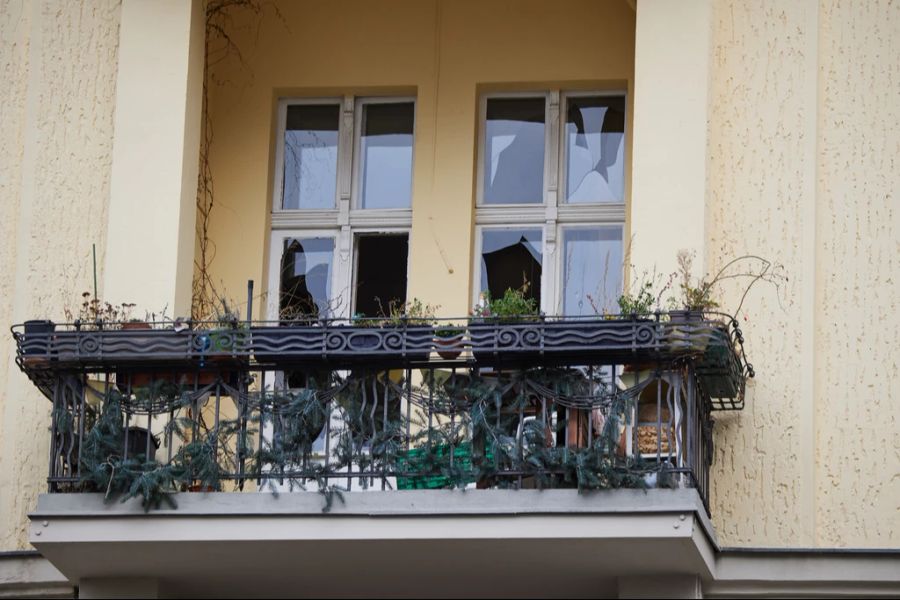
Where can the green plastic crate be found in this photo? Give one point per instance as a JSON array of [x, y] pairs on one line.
[[462, 459]]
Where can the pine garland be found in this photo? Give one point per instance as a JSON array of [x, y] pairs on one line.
[[467, 427]]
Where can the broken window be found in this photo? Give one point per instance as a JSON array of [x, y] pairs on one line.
[[380, 273]]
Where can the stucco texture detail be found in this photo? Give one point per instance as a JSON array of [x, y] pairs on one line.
[[56, 127], [802, 149], [757, 173], [857, 270]]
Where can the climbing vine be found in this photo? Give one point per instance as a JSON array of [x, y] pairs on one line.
[[220, 44]]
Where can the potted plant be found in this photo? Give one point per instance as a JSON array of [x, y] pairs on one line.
[[407, 328], [448, 341], [514, 308], [139, 342], [223, 347], [416, 319]]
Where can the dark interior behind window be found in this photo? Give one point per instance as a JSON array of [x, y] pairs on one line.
[[380, 273]]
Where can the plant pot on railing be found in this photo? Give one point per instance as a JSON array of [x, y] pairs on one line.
[[506, 339], [506, 328], [37, 341], [222, 354], [137, 379], [448, 341], [296, 340], [685, 331], [367, 339]]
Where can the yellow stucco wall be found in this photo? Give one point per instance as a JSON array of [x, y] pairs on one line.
[[803, 155], [58, 62], [441, 51], [857, 293], [802, 158]]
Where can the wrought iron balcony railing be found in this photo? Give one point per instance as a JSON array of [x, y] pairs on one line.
[[146, 409]]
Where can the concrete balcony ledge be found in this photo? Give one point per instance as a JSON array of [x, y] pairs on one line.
[[429, 543], [385, 503], [456, 539]]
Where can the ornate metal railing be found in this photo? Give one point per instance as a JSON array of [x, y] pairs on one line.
[[144, 409]]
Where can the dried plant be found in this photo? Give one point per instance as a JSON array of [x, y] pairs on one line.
[[93, 312], [701, 294]]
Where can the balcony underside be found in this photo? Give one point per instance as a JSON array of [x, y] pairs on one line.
[[456, 543]]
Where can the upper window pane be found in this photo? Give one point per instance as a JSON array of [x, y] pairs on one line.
[[595, 149], [310, 156], [306, 278], [511, 259], [513, 160], [386, 148], [592, 270]]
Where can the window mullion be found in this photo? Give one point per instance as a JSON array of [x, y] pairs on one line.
[[278, 198], [345, 161], [550, 286], [343, 268]]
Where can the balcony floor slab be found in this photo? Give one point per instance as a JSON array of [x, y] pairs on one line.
[[493, 542]]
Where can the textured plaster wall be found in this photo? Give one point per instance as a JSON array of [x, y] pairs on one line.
[[58, 62], [857, 318], [803, 158]]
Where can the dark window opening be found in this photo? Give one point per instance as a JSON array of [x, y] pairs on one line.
[[380, 273], [305, 290], [511, 259]]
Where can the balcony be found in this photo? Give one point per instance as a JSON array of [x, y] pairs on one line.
[[546, 416], [554, 402]]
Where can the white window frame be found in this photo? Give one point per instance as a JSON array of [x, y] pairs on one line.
[[276, 246], [345, 220], [553, 214]]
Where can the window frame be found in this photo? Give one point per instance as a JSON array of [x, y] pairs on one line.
[[479, 244], [554, 214], [276, 247], [278, 187], [343, 222]]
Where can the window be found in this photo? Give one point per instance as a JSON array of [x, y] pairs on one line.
[[550, 202], [342, 206]]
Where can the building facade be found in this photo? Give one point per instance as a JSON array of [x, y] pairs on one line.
[[435, 151]]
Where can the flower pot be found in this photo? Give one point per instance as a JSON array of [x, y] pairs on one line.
[[449, 343], [139, 379], [36, 341], [686, 331], [506, 340], [413, 341]]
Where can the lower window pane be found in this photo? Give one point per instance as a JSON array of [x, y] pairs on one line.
[[592, 270], [306, 278], [380, 273], [512, 259]]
